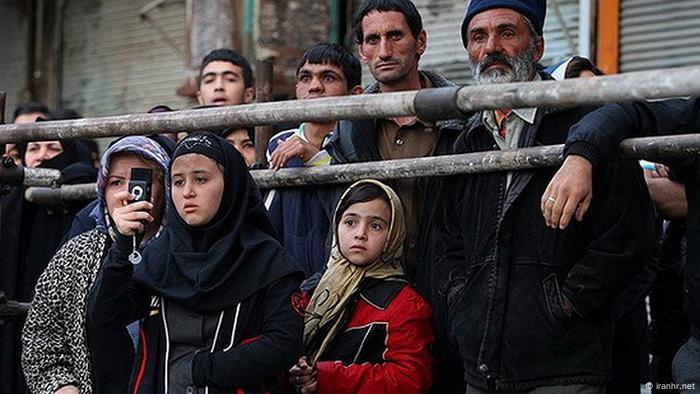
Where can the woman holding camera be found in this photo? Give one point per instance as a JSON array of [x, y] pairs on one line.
[[214, 289], [62, 351]]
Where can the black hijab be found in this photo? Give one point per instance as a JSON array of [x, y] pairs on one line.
[[236, 254]]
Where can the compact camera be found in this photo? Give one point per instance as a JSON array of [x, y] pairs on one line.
[[140, 184]]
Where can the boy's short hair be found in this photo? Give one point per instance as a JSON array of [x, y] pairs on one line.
[[233, 57], [336, 55], [406, 7]]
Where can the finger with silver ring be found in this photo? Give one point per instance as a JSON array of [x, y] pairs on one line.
[[551, 199]]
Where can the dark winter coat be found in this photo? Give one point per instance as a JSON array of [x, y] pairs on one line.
[[528, 305], [262, 334], [30, 235], [597, 136]]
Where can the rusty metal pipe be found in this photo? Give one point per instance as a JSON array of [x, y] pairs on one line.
[[13, 175], [653, 148], [263, 92], [428, 104]]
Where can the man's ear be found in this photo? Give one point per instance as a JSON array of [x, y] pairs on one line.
[[199, 97], [360, 52], [249, 95], [539, 49], [421, 42], [357, 89]]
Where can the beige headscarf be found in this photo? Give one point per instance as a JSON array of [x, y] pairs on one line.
[[329, 302]]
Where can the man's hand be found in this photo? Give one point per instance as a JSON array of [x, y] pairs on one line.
[[303, 376], [70, 389], [130, 218], [291, 147], [569, 192]]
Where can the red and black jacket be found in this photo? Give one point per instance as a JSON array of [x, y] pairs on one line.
[[383, 347]]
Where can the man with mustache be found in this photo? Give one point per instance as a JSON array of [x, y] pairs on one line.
[[391, 40], [528, 307]]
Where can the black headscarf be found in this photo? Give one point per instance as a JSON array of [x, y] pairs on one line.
[[236, 254]]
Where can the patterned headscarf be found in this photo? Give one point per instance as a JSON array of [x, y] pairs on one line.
[[137, 145], [330, 302]]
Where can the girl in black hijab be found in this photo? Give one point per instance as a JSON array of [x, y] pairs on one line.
[[221, 318]]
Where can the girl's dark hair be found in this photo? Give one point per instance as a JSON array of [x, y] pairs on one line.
[[580, 64], [362, 193]]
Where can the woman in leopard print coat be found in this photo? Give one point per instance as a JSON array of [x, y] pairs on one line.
[[61, 352]]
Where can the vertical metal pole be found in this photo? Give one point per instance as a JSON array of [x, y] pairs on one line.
[[3, 96], [263, 92]]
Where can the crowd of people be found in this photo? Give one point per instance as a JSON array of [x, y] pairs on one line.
[[532, 281]]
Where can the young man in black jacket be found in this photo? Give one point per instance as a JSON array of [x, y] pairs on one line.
[[391, 40], [528, 306], [591, 144]]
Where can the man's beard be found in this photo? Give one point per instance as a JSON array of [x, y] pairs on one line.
[[520, 68]]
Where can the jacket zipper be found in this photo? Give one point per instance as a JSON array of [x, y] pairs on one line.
[[167, 343]]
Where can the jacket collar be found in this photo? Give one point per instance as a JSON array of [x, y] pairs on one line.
[[476, 121], [380, 292], [438, 81]]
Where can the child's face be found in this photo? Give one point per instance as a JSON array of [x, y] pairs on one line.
[[197, 186], [363, 230]]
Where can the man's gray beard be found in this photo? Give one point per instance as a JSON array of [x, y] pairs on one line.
[[522, 69]]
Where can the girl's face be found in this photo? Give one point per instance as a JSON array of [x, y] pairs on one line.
[[118, 179], [363, 231], [197, 187]]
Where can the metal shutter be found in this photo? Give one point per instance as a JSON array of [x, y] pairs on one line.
[[659, 34], [115, 62], [442, 20]]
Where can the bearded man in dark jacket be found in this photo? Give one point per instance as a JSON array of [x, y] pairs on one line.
[[529, 307]]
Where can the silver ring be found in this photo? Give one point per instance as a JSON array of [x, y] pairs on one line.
[[551, 199]]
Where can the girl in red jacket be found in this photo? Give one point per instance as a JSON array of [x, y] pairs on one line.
[[366, 330]]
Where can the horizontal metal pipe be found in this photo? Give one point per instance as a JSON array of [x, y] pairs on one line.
[[470, 163], [354, 107], [428, 104], [56, 196], [27, 176], [634, 86]]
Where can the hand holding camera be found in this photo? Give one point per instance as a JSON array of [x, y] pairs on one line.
[[131, 218]]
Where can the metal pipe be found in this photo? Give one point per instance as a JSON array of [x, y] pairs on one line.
[[582, 91], [13, 175], [53, 197], [264, 77], [470, 163], [3, 97], [358, 107], [427, 104], [12, 310]]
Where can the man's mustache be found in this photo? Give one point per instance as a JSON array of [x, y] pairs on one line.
[[493, 58]]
